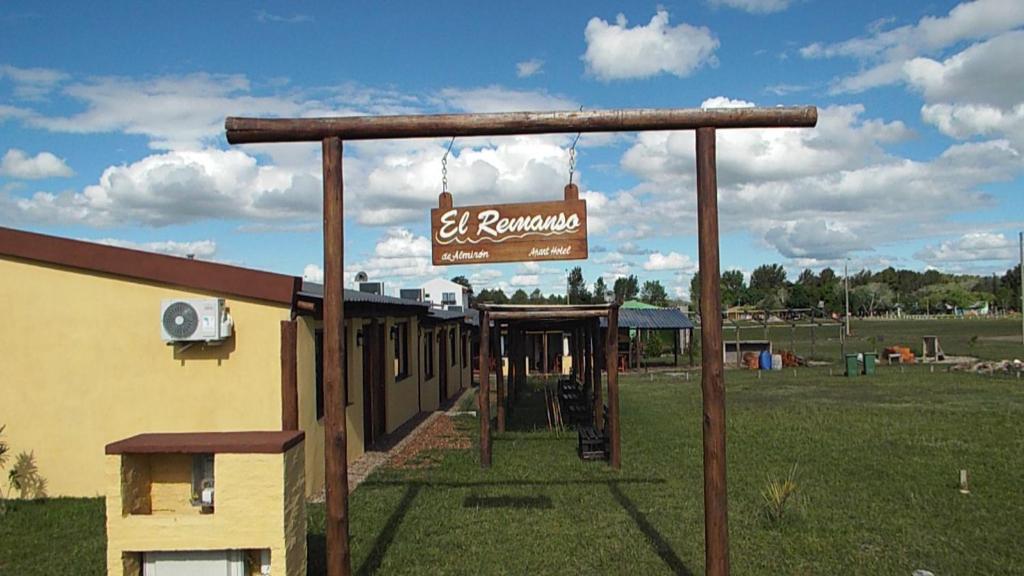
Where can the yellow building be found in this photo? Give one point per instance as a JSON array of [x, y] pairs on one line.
[[85, 363], [206, 503]]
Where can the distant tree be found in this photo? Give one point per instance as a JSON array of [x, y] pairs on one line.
[[695, 291], [767, 286], [578, 293], [519, 297], [654, 293], [801, 296], [492, 296], [600, 291], [733, 288], [626, 288], [808, 278], [537, 297], [463, 281]]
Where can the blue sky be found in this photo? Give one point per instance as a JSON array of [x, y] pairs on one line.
[[111, 129]]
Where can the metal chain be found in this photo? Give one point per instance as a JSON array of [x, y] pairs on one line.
[[572, 153], [444, 167]]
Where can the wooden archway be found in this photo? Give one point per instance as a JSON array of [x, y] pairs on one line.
[[331, 132]]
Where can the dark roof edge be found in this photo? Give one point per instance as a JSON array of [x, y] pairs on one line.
[[174, 270]]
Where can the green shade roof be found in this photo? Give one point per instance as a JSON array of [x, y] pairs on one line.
[[637, 304]]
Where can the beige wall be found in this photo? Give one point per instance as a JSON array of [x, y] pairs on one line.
[[401, 396], [259, 505], [306, 381], [428, 388], [84, 365]]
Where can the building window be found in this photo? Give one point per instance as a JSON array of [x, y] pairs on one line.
[[202, 480], [448, 298], [318, 346], [428, 354], [451, 346], [400, 333]]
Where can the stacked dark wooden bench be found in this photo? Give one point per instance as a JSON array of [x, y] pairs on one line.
[[573, 400], [594, 443]]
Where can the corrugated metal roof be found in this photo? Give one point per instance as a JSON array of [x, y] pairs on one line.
[[317, 291], [652, 319]]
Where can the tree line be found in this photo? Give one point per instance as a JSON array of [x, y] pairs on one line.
[[768, 287], [623, 289], [871, 293]]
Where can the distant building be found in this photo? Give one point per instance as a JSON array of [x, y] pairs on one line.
[[446, 294]]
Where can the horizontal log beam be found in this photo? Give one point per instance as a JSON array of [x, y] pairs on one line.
[[254, 130], [549, 314]]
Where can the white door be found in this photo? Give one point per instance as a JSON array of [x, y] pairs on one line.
[[194, 563]]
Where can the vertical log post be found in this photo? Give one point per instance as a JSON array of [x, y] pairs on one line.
[[289, 376], [716, 527], [599, 348], [484, 393], [510, 380], [588, 361], [339, 561], [614, 431], [498, 363]]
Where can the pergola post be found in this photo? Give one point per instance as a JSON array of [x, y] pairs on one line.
[[484, 394], [339, 561], [499, 377], [614, 433], [716, 528]]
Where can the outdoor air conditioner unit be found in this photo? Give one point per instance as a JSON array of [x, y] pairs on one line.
[[198, 320], [417, 294], [372, 287]]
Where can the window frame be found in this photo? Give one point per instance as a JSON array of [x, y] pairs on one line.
[[401, 349]]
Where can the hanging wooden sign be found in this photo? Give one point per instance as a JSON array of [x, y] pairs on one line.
[[509, 232]]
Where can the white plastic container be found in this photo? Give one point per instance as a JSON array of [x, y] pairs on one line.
[[776, 361]]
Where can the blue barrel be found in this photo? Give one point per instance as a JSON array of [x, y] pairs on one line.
[[764, 360]]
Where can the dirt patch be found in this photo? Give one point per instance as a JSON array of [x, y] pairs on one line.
[[425, 449]]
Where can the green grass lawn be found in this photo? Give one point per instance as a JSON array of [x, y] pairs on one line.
[[988, 339], [878, 461]]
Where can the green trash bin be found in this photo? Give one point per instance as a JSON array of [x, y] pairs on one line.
[[869, 362], [851, 365]]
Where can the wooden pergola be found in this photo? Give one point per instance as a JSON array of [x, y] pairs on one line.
[[583, 323], [331, 132]]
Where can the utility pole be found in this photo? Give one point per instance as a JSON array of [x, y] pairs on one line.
[[566, 286], [846, 281]]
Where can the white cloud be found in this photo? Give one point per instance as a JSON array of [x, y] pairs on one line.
[[180, 187], [32, 83], [313, 273], [17, 164], [400, 258], [969, 247], [201, 249], [524, 281], [810, 194], [887, 50], [618, 52], [174, 112], [972, 93], [671, 261], [528, 68], [754, 6], [981, 74], [499, 99], [265, 17]]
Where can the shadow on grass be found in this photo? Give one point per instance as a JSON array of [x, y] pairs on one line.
[[387, 535], [661, 546], [412, 488], [516, 502]]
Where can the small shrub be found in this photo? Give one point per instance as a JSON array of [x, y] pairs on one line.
[[25, 478], [780, 496]]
